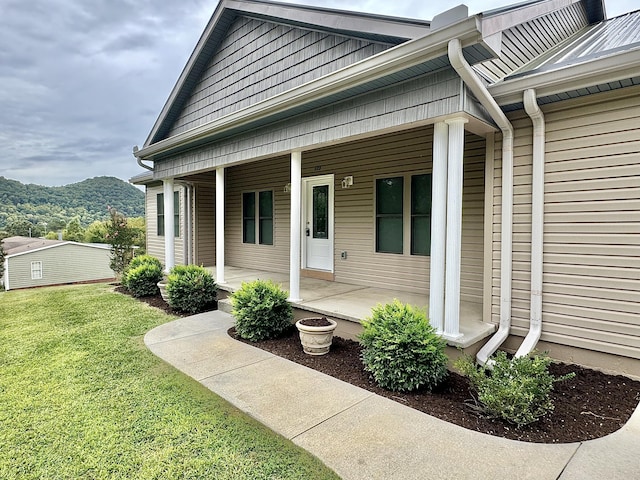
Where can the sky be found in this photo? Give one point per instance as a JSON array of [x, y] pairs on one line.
[[83, 81]]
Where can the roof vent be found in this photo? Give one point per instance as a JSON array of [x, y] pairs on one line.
[[449, 17]]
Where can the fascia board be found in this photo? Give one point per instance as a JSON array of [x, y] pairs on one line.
[[385, 63], [606, 69], [335, 19], [195, 55], [504, 20]]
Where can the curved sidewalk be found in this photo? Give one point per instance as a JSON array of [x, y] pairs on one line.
[[361, 435]]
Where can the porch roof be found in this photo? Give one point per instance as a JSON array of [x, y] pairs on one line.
[[354, 302]]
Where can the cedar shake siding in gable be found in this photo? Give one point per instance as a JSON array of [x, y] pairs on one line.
[[591, 269], [403, 153], [411, 102], [259, 59]]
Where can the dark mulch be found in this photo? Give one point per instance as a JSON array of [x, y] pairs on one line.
[[591, 405]]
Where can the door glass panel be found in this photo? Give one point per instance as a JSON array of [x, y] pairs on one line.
[[321, 211]]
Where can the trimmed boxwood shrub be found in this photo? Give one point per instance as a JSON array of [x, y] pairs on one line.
[[401, 349], [191, 288], [261, 310], [142, 276], [516, 390]]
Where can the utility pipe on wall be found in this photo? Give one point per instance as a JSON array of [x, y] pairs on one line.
[[466, 73], [537, 222]]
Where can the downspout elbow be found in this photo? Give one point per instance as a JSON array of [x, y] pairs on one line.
[[471, 80], [139, 160]]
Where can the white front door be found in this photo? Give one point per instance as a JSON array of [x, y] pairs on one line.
[[318, 223]]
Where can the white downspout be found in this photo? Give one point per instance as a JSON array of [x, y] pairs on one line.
[[537, 222], [474, 84]]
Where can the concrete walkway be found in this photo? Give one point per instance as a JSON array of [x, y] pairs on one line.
[[361, 435]]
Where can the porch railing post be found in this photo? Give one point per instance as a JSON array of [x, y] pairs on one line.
[[438, 225], [220, 225], [169, 225], [296, 211], [455, 176]]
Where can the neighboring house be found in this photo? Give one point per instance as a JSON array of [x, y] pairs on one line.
[[36, 262], [492, 159]]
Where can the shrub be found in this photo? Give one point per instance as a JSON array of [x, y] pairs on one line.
[[142, 276], [516, 390], [401, 349], [261, 310], [190, 288]]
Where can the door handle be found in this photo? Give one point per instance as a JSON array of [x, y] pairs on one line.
[[307, 231]]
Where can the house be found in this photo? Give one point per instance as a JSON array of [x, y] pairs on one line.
[[485, 163], [37, 262]]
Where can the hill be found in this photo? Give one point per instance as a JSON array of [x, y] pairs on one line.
[[56, 206]]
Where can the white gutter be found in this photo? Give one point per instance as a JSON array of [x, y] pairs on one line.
[[537, 222], [139, 160], [480, 91]]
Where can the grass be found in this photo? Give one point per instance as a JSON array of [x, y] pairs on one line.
[[81, 397]]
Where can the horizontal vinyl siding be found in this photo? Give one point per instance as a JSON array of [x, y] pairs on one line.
[[61, 264], [258, 60], [272, 174], [591, 271], [205, 224], [155, 244], [394, 155], [414, 101]]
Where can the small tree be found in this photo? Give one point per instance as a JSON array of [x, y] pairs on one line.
[[74, 231], [121, 237]]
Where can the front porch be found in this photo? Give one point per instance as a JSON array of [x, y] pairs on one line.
[[348, 304]]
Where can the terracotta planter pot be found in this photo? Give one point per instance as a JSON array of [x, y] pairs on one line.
[[316, 340]]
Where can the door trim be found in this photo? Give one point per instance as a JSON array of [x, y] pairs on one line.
[[307, 182]]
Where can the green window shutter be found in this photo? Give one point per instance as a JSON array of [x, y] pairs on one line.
[[160, 214], [421, 214], [265, 210], [249, 217], [389, 212]]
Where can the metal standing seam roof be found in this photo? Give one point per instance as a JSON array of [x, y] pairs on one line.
[[608, 37]]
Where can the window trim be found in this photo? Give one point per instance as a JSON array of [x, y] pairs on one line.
[[257, 218], [406, 212], [35, 263], [160, 214]]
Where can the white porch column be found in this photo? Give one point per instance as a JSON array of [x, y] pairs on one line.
[[169, 241], [296, 212], [438, 225], [220, 225], [455, 173]]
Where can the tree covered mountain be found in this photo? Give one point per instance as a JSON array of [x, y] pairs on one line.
[[52, 208]]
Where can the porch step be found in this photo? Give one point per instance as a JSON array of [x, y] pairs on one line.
[[225, 305]]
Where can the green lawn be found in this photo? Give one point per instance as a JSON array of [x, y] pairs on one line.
[[81, 397]]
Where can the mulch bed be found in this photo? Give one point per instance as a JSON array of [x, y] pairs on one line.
[[591, 405]]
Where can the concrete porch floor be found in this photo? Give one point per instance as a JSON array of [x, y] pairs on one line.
[[351, 303]]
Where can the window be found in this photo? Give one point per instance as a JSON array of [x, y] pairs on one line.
[[257, 217], [389, 212], [36, 270], [393, 213], [420, 214], [176, 214]]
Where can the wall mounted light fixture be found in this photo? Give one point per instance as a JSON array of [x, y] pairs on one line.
[[347, 181]]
